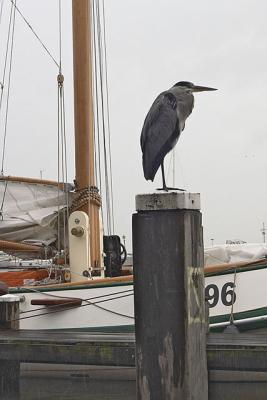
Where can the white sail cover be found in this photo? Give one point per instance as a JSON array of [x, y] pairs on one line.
[[29, 211], [233, 253]]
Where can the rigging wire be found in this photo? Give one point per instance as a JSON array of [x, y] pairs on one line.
[[96, 108], [100, 51], [62, 146], [100, 99], [98, 153], [63, 167], [173, 159], [9, 84], [60, 33], [58, 169], [65, 149], [107, 107], [6, 55], [9, 48], [102, 114], [3, 201], [14, 2], [1, 10]]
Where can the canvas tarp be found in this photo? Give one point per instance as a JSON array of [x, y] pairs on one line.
[[29, 211], [233, 253]]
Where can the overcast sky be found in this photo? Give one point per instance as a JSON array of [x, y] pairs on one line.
[[152, 44]]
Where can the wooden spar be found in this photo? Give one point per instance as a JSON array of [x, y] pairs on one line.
[[83, 115], [214, 268], [34, 181], [68, 301], [7, 245], [92, 282]]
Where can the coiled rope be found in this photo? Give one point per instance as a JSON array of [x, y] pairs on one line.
[[85, 196]]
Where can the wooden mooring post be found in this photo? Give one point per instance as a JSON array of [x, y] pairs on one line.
[[9, 370], [169, 298]]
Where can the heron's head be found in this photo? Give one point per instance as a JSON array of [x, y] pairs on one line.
[[194, 88]]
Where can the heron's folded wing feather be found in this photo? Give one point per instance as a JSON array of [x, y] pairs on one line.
[[157, 134], [160, 118]]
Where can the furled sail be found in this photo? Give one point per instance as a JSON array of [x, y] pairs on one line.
[[234, 253], [29, 210]]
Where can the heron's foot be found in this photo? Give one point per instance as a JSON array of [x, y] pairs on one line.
[[167, 189]]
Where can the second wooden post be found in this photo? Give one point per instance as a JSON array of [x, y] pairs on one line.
[[9, 370]]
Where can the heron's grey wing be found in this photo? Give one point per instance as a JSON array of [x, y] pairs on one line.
[[160, 132]]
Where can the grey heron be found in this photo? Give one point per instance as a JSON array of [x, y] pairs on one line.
[[163, 125]]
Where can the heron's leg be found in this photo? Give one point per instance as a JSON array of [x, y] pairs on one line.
[[164, 186]]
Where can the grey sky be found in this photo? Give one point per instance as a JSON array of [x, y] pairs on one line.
[[151, 45]]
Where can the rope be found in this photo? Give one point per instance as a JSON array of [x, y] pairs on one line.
[[58, 166], [62, 152], [9, 82], [3, 200], [100, 51], [83, 305], [63, 120], [64, 297], [34, 32], [102, 122], [6, 56], [60, 34], [1, 10], [65, 167], [111, 311], [62, 142], [84, 196], [231, 319], [108, 119], [96, 114]]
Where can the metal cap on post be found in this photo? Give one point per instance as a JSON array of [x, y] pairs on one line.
[[169, 297]]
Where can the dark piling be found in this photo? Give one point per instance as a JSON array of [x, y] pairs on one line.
[[169, 298], [9, 370]]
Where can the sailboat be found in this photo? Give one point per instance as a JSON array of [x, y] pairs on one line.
[[69, 275]]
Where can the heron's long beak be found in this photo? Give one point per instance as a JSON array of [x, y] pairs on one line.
[[202, 89]]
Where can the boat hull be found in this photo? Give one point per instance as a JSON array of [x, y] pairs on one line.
[[237, 297], [104, 308]]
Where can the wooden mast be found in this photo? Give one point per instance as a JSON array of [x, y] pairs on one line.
[[83, 115]]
